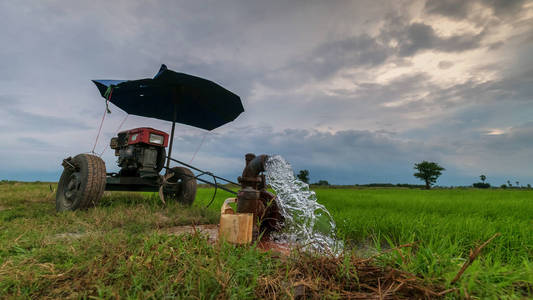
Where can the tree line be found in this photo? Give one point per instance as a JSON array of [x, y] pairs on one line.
[[428, 172]]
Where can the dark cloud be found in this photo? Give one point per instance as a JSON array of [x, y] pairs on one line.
[[496, 46], [504, 7], [445, 64], [462, 9], [360, 156], [513, 141], [513, 88], [346, 156], [450, 8], [406, 102], [419, 36], [360, 51], [364, 51]]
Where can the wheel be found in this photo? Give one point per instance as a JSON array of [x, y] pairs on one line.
[[182, 187], [82, 183]]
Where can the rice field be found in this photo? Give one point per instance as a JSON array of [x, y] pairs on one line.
[[445, 224], [120, 249]]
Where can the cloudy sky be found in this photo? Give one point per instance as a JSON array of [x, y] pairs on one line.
[[354, 91]]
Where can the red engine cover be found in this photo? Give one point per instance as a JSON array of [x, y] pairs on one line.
[[142, 135]]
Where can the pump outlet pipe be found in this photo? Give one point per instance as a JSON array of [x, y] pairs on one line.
[[254, 165]]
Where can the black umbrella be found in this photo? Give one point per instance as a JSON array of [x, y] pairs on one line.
[[174, 97]]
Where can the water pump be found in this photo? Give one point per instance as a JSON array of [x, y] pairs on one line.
[[253, 197]]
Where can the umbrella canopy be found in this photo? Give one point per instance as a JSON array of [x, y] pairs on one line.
[[175, 97]]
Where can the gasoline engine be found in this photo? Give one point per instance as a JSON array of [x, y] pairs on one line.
[[141, 152]]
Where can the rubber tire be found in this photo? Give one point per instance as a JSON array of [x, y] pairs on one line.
[[185, 191], [92, 178]]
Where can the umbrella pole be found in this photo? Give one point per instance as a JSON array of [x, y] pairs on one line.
[[171, 138], [170, 145]]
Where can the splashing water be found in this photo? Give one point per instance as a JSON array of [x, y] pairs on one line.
[[307, 222]]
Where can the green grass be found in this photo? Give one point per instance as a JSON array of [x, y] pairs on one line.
[[120, 248], [446, 224]]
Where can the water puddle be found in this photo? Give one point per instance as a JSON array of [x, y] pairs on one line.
[[307, 222]]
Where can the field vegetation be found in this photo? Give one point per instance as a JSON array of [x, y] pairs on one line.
[[123, 247], [444, 224]]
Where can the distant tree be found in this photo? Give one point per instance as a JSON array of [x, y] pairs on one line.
[[303, 175], [481, 185], [509, 183], [428, 172], [322, 182], [517, 184], [529, 186], [503, 186]]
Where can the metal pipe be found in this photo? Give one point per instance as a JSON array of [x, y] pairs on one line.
[[216, 185], [210, 183], [254, 165], [196, 169]]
